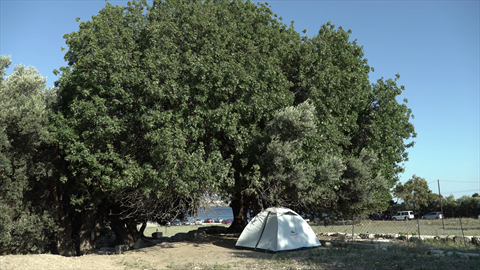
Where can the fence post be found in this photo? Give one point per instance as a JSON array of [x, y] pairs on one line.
[[406, 219], [463, 234], [353, 227], [441, 207], [419, 236]]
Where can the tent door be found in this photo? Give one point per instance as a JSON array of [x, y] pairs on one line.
[[263, 229]]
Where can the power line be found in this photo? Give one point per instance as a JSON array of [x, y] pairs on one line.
[[458, 181], [472, 190]]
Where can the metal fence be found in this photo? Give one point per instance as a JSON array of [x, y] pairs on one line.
[[405, 229]]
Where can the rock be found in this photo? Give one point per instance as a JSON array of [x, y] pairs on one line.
[[142, 243], [106, 250], [196, 234], [157, 235], [367, 236], [436, 251], [120, 249], [459, 240], [179, 237], [447, 237], [472, 255], [105, 241], [476, 241], [416, 238], [463, 255], [391, 236]]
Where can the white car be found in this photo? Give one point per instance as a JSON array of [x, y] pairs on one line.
[[403, 215], [198, 222], [433, 215]]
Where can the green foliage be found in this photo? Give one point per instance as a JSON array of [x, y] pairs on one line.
[[25, 225], [160, 105], [169, 107], [415, 192]]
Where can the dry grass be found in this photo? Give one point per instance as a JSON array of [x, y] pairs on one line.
[[471, 227]]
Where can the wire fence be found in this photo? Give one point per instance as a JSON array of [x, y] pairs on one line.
[[455, 229]]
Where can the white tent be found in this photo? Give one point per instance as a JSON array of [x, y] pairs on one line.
[[278, 229]]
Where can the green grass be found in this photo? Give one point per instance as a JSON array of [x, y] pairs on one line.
[[471, 227], [451, 244]]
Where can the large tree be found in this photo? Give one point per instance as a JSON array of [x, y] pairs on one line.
[[415, 193], [25, 221], [163, 104]]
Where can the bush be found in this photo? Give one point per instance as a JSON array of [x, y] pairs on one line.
[[27, 233]]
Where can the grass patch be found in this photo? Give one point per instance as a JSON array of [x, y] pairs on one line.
[[451, 244], [471, 227]]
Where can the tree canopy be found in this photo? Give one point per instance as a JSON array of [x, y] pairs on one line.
[[162, 105], [25, 225]]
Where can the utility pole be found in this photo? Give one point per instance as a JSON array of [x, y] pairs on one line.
[[441, 207]]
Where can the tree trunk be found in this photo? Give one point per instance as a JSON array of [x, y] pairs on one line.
[[142, 229], [65, 245], [240, 209], [86, 233], [126, 232]]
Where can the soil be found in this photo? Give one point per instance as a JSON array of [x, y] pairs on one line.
[[198, 254]]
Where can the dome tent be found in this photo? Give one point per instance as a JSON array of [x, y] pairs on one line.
[[277, 229]]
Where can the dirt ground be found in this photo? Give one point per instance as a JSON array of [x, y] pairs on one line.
[[199, 254]]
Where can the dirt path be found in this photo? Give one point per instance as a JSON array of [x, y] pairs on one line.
[[214, 250]]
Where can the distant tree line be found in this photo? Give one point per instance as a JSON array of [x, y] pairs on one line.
[[162, 105], [416, 196]]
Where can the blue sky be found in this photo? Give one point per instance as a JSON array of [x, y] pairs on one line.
[[433, 45]]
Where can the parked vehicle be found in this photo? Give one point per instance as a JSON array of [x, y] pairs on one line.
[[176, 222], [432, 215], [403, 215], [380, 217], [227, 221], [219, 220], [198, 222], [186, 222], [208, 220]]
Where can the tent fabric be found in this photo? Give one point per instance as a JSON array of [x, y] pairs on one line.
[[278, 229]]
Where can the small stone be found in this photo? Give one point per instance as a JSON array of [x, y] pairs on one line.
[[476, 241], [471, 255], [120, 249], [463, 255], [436, 251]]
